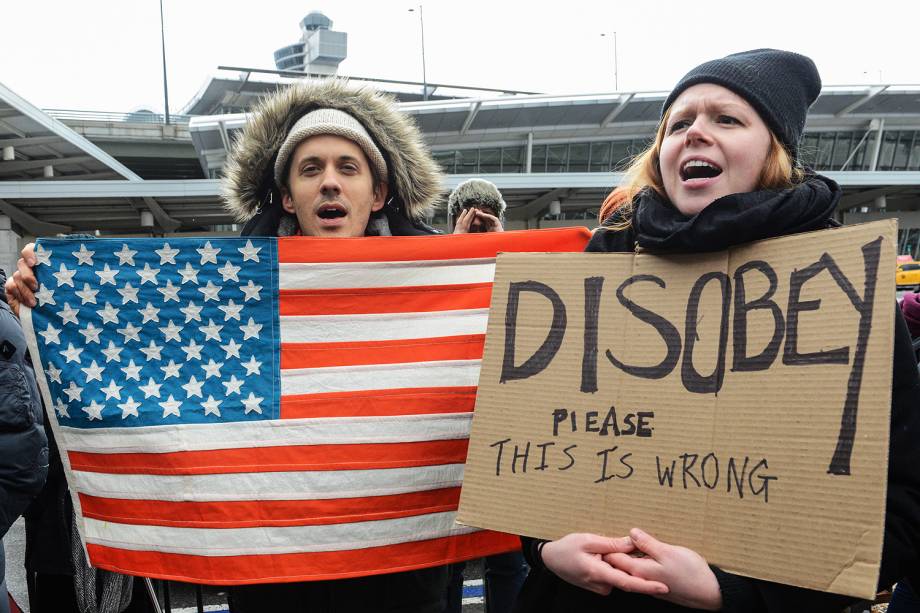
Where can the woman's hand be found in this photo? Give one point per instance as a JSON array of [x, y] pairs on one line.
[[579, 559], [690, 581], [20, 288]]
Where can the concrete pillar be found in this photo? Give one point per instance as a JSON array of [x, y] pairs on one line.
[[9, 154], [881, 203], [9, 246], [48, 171]]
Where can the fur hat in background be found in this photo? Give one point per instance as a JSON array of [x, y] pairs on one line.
[[479, 193], [780, 85]]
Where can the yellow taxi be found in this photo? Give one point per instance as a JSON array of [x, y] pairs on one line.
[[908, 274]]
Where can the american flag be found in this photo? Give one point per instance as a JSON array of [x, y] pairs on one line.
[[248, 410]]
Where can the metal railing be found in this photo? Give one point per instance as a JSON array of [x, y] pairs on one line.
[[133, 117]]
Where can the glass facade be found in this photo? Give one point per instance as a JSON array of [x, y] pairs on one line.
[[819, 150]]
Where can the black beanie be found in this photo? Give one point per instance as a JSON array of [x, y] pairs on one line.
[[780, 85]]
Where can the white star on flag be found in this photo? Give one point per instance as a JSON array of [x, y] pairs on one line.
[[210, 291], [84, 256], [129, 407], [148, 274], [171, 407], [231, 310], [211, 406], [107, 275], [208, 254], [112, 353], [87, 294], [73, 392], [252, 366], [192, 311], [212, 369], [125, 256], [93, 372], [149, 313], [112, 390], [250, 252], [251, 290], [171, 370], [233, 385], [61, 408], [45, 295], [211, 331], [53, 373], [228, 271], [72, 354], [94, 410], [130, 332], [68, 315], [152, 351], [51, 335], [169, 291], [252, 403], [109, 314], [193, 387], [64, 276], [251, 329], [189, 274], [132, 371], [151, 389], [128, 293], [42, 256], [192, 350], [167, 254], [91, 333], [171, 332]]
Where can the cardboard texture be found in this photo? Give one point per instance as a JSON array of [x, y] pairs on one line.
[[749, 423]]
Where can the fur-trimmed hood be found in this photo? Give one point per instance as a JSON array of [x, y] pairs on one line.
[[414, 177]]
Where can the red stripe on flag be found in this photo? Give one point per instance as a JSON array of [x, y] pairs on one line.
[[419, 401], [363, 456], [249, 514], [318, 355], [241, 570], [410, 248], [414, 299]]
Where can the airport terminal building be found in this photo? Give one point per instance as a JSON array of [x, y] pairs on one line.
[[554, 157]]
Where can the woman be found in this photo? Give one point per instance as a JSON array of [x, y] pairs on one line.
[[723, 171]]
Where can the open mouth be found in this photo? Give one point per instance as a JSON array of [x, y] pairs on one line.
[[698, 169], [331, 211]]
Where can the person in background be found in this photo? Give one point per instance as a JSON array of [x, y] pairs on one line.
[[723, 170], [476, 205], [23, 445]]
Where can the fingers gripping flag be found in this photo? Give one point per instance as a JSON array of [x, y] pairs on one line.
[[261, 410]]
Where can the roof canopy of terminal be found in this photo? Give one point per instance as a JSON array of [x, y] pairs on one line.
[[37, 146]]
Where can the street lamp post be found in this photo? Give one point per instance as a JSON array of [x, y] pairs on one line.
[[616, 83], [163, 47], [421, 22]]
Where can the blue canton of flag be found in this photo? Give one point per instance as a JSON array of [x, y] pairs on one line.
[[142, 332]]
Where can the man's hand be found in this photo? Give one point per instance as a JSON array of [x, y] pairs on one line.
[[474, 220], [579, 559], [20, 288], [690, 581]]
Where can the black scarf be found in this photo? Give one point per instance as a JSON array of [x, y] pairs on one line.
[[736, 218]]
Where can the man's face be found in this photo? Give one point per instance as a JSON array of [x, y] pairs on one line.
[[331, 187]]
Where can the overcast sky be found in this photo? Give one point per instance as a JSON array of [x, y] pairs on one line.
[[104, 55]]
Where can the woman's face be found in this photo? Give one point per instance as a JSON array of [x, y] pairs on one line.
[[714, 144]]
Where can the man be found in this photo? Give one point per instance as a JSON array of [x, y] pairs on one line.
[[325, 160], [476, 205]]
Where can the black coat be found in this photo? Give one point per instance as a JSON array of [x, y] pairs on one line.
[[544, 592], [23, 446]]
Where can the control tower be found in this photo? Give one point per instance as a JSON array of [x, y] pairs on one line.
[[320, 50]]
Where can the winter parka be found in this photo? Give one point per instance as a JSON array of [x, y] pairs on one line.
[[413, 177], [23, 445]]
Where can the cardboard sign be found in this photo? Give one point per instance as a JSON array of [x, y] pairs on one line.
[[736, 403]]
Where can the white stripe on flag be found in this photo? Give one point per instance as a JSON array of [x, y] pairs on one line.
[[446, 373], [385, 274], [271, 433], [382, 326], [277, 540], [297, 485]]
